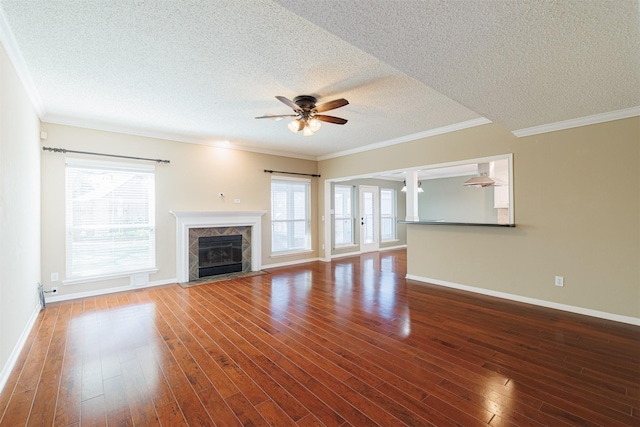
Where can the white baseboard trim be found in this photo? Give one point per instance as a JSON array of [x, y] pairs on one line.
[[355, 253], [392, 248], [107, 291], [288, 263], [13, 357], [346, 254], [527, 300]]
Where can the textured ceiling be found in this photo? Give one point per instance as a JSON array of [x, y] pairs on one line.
[[200, 71]]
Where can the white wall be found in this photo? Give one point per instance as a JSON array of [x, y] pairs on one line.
[[19, 213]]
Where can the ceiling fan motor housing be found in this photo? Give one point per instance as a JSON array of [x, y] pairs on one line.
[[306, 102]]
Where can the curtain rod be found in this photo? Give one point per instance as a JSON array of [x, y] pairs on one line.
[[293, 173], [64, 150]]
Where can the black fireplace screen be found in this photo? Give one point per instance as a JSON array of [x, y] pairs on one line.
[[219, 255]]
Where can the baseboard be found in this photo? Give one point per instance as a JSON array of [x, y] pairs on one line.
[[288, 263], [527, 300], [346, 254], [355, 253], [13, 357], [107, 291], [392, 248]]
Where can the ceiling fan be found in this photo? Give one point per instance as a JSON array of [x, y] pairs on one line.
[[306, 114]]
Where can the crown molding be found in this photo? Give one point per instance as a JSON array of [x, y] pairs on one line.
[[581, 121], [407, 138], [158, 134], [8, 40]]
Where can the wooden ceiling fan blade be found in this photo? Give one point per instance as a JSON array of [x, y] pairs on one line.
[[276, 116], [330, 119], [331, 105], [288, 102]]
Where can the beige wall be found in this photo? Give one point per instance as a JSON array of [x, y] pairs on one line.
[[192, 181], [577, 214], [19, 211]]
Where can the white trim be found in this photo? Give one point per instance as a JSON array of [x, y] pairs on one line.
[[130, 130], [527, 300], [289, 178], [158, 134], [581, 121], [346, 254], [288, 263], [99, 292], [283, 254], [204, 219], [17, 349], [118, 165], [407, 138], [118, 275], [391, 248], [326, 221], [7, 39], [355, 253], [347, 246]]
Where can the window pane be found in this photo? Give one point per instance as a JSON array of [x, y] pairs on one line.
[[110, 221], [387, 214], [343, 232], [290, 216], [343, 220]]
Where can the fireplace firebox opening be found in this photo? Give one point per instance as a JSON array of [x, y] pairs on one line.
[[219, 255]]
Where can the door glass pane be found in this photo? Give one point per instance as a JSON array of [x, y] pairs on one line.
[[368, 211]]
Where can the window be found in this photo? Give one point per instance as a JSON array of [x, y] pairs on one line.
[[387, 214], [110, 218], [290, 215], [343, 218]]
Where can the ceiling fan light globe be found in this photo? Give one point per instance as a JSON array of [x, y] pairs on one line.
[[315, 125], [294, 126], [307, 131]]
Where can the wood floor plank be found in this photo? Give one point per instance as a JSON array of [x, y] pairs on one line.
[[170, 415], [116, 402], [93, 412], [346, 343]]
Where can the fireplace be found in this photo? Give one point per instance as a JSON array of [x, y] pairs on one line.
[[190, 224], [219, 255]]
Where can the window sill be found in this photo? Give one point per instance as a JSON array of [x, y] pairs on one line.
[[290, 253], [390, 241], [108, 276]]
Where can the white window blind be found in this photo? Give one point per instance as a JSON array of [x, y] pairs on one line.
[[343, 215], [110, 218], [290, 215], [387, 214]]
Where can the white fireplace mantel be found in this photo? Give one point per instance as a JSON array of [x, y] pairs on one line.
[[203, 219]]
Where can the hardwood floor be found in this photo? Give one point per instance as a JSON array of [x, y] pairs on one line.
[[347, 343]]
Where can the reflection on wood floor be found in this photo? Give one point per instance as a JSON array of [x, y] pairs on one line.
[[344, 343]]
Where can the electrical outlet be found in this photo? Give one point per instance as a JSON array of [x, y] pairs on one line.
[[559, 281], [54, 277], [236, 201], [54, 290]]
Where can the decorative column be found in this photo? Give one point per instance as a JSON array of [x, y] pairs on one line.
[[412, 196]]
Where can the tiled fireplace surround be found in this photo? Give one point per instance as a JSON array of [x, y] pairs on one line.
[[192, 224], [196, 233]]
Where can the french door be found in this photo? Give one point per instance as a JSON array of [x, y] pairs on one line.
[[369, 218]]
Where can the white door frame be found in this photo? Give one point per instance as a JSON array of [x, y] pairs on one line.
[[369, 220]]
